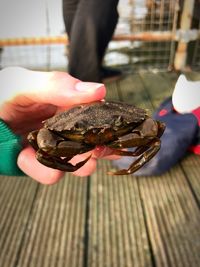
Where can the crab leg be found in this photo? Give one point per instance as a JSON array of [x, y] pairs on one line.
[[59, 163], [137, 152], [161, 128], [57, 146], [153, 148], [130, 140], [31, 138]]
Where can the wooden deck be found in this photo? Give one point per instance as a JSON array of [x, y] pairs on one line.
[[106, 221]]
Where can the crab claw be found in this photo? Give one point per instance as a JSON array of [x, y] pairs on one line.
[[62, 164]]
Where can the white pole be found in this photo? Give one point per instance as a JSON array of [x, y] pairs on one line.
[[186, 19]]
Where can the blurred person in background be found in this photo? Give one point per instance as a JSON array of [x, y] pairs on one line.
[[90, 25]]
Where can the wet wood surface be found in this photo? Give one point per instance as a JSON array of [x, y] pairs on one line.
[[102, 220]]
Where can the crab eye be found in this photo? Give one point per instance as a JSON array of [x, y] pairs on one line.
[[80, 124], [118, 121]]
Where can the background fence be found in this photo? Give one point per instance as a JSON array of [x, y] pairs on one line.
[[151, 34]]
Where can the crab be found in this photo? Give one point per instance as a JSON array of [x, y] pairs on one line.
[[116, 125]]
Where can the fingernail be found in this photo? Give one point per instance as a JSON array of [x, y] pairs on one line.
[[87, 86]]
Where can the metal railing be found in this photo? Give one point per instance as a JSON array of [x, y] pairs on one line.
[[150, 34]]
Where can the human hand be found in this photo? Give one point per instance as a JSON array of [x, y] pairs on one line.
[[29, 97]]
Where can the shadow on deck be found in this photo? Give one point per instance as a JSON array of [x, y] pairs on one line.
[[107, 220]]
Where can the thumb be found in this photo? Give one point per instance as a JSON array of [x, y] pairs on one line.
[[64, 90], [57, 88]]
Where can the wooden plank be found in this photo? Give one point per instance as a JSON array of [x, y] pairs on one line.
[[193, 76], [181, 251], [112, 92], [172, 218], [117, 233], [168, 200], [190, 163], [191, 167], [170, 78], [56, 229], [131, 90], [158, 86], [17, 195], [106, 220]]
